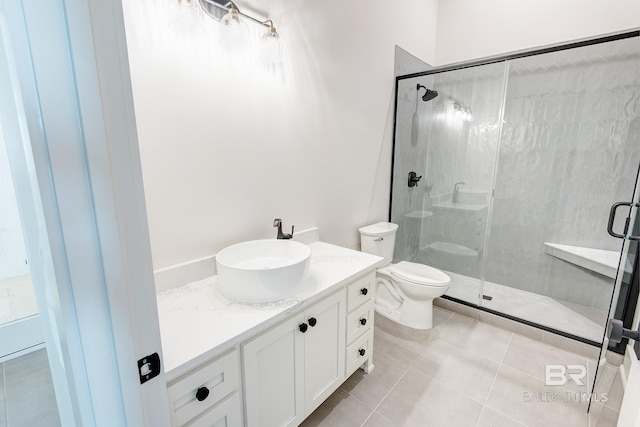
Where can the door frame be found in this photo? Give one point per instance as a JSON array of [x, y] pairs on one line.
[[20, 337], [628, 302], [71, 127], [630, 375], [630, 224]]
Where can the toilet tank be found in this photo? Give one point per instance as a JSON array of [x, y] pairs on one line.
[[379, 239]]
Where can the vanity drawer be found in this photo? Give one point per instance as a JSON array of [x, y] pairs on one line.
[[359, 352], [359, 321], [220, 377], [360, 291], [227, 414]]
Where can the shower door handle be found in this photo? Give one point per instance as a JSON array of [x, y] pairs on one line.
[[612, 217]]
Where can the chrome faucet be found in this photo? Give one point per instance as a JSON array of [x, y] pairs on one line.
[[456, 190], [278, 223]]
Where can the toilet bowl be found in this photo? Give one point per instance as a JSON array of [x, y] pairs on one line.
[[404, 291]]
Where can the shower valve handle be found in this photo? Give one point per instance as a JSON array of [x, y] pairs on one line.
[[413, 179]]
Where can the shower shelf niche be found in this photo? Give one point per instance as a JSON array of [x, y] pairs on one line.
[[599, 260], [466, 207]]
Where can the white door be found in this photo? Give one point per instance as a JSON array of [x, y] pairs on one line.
[[20, 328], [324, 349], [274, 375], [67, 119]]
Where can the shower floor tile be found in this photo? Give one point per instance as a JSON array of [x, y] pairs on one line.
[[464, 372], [568, 317]]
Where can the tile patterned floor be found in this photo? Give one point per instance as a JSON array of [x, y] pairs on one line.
[[26, 392], [460, 373], [465, 373]]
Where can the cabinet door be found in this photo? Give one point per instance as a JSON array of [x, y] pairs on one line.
[[226, 414], [273, 376], [324, 349]]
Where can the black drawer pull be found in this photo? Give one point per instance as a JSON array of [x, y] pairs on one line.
[[363, 321], [362, 351], [202, 393]]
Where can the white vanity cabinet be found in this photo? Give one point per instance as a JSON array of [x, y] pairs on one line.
[[290, 369], [360, 319], [267, 365], [209, 395]]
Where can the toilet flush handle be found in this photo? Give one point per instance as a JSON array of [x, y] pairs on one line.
[[378, 239]]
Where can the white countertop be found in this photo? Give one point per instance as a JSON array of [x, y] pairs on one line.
[[197, 322]]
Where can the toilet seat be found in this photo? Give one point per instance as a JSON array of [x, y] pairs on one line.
[[419, 274]]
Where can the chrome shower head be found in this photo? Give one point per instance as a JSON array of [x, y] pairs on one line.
[[429, 94]]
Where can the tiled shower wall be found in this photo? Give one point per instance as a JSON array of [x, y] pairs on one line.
[[570, 148], [443, 147], [410, 155], [463, 147], [462, 150]]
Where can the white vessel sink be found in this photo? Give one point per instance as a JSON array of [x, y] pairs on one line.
[[262, 270]]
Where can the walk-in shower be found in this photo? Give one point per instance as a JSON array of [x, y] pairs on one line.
[[521, 159]]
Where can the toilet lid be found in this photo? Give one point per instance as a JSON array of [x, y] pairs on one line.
[[379, 229], [419, 273]]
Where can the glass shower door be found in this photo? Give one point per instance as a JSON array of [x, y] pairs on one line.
[[409, 186], [568, 150], [450, 141], [629, 232]]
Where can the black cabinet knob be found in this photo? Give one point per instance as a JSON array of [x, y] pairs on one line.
[[202, 393], [363, 321], [362, 352], [312, 321], [364, 291], [303, 327]]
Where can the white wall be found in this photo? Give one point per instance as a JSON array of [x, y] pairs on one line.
[[471, 29], [12, 251], [406, 63], [228, 145]]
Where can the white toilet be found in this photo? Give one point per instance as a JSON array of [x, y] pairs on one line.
[[404, 292]]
